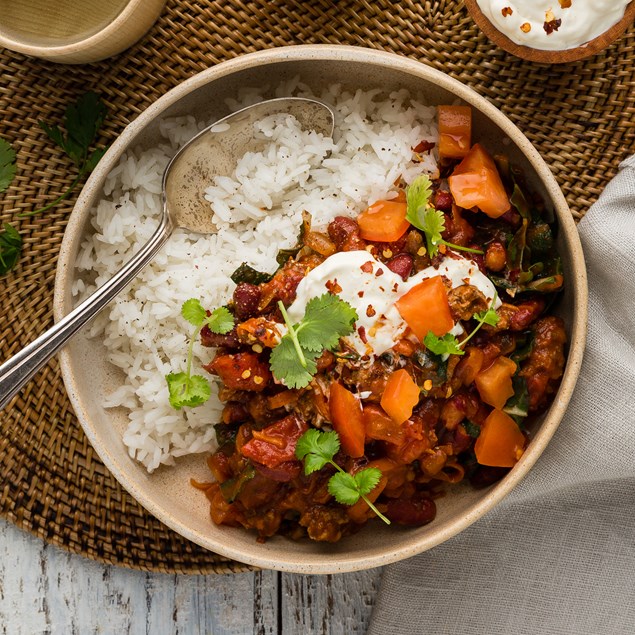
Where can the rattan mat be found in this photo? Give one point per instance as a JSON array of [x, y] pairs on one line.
[[580, 116]]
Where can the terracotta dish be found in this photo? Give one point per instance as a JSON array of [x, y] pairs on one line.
[[88, 377], [551, 57]]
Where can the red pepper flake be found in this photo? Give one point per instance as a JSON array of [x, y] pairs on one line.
[[379, 272], [360, 294], [525, 27], [367, 267], [370, 311], [395, 287], [423, 146], [362, 334], [551, 26], [507, 11], [564, 4], [332, 286]]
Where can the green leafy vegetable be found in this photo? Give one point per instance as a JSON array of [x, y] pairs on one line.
[[326, 319], [472, 429], [7, 164], [245, 273], [429, 220], [517, 405], [231, 488], [450, 345], [446, 345], [82, 122], [10, 247], [318, 449], [185, 389]]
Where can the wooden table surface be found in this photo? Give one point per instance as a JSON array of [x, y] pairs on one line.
[[46, 590]]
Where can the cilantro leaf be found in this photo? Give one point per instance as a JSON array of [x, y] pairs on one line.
[[187, 390], [418, 195], [446, 345], [7, 164], [424, 217], [82, 121], [472, 429], [10, 247], [287, 366], [326, 319], [343, 488], [221, 321], [193, 311], [367, 479], [317, 449], [488, 317]]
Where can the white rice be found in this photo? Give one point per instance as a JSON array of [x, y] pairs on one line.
[[258, 211]]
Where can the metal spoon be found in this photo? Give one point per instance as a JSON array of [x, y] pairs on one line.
[[214, 151]]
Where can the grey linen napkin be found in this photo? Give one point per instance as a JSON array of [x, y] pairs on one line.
[[558, 554]]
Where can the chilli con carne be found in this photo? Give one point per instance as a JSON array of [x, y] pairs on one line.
[[450, 353]]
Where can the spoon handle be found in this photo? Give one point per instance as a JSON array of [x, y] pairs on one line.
[[15, 372]]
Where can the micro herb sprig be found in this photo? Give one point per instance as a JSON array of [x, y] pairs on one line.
[[82, 122], [449, 345], [184, 388], [326, 319], [317, 449], [430, 221]]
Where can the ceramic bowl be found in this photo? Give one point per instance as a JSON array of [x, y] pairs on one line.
[[114, 25], [593, 47], [167, 493]]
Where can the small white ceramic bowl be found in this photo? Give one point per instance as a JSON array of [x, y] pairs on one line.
[[167, 493], [126, 24]]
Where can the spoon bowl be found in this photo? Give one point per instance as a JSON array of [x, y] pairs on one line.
[[213, 152]]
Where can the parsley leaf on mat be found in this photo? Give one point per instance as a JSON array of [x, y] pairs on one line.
[[7, 164], [10, 247], [185, 389], [82, 122], [326, 319], [317, 449]]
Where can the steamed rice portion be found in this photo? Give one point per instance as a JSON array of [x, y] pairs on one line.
[[258, 211]]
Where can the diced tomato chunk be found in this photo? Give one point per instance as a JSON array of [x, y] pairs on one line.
[[384, 221], [241, 371], [274, 445], [426, 308], [380, 426]]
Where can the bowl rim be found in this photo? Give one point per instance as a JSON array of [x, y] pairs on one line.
[[96, 39], [327, 53], [563, 56]]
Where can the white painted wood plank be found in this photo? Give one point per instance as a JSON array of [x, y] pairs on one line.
[[329, 605], [46, 590]]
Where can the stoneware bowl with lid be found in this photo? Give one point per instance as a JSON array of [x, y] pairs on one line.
[[88, 377]]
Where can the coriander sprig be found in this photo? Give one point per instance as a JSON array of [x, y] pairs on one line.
[[184, 388], [448, 344], [326, 319], [430, 221], [317, 449], [82, 122], [10, 239]]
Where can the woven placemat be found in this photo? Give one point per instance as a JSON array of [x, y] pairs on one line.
[[580, 116]]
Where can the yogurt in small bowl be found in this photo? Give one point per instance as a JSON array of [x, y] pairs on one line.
[[552, 30]]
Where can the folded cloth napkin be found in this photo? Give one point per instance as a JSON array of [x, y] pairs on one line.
[[558, 554]]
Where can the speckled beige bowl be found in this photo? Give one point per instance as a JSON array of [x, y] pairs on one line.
[[167, 493]]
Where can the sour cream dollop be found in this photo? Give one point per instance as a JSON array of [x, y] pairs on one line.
[[523, 21], [372, 290]]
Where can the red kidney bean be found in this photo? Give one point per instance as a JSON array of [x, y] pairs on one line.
[[442, 200], [229, 340], [246, 299], [344, 232], [401, 264], [418, 510]]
